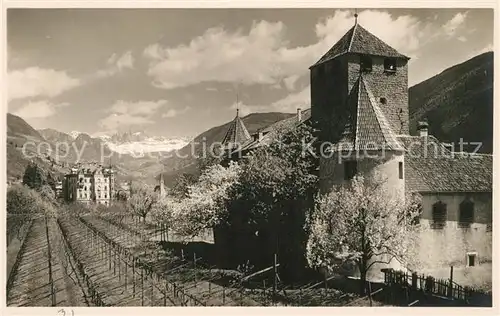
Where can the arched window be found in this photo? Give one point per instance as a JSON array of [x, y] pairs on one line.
[[438, 215], [466, 214]]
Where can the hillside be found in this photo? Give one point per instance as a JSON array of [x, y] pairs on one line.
[[18, 133], [457, 103], [17, 127], [55, 136]]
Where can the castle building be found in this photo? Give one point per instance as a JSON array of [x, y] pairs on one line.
[[359, 105], [90, 185], [359, 99]]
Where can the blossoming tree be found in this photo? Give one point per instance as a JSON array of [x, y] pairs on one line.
[[363, 223]]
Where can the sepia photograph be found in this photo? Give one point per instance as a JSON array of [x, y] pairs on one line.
[[338, 157]]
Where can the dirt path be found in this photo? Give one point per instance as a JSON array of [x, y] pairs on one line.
[[31, 286]]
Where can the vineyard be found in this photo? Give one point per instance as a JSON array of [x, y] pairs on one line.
[[91, 260], [95, 260]]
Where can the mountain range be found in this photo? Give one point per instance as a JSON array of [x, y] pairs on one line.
[[457, 103]]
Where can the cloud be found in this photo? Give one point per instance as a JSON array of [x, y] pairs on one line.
[[137, 108], [39, 82], [293, 101], [38, 109], [125, 113], [290, 82], [289, 103], [173, 112], [450, 28], [462, 39], [117, 64], [263, 54], [116, 121]]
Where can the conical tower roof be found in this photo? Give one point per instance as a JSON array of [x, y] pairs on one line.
[[237, 133], [359, 40]]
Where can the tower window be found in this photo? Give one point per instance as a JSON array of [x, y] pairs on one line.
[[365, 63], [400, 169], [438, 215], [466, 215], [383, 100], [390, 65], [350, 169]]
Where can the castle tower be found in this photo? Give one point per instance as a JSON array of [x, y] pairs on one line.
[[359, 101], [384, 70]]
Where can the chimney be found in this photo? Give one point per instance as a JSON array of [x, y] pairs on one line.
[[299, 115], [423, 129], [260, 136]]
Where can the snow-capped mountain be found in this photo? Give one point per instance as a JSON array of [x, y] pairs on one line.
[[74, 134], [140, 142]]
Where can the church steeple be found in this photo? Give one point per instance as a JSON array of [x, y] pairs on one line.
[[162, 185]]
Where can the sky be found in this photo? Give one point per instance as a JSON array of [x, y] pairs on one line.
[[179, 72]]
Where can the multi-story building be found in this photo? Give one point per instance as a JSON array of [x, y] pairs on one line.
[[90, 185]]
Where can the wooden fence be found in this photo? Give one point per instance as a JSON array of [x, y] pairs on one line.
[[413, 284]]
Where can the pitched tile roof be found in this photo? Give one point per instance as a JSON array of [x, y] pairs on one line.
[[359, 40], [365, 126], [432, 167], [237, 133], [270, 131]]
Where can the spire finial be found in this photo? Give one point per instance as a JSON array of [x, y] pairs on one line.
[[237, 100], [355, 16]]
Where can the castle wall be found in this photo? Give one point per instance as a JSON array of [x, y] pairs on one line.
[[450, 245]]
